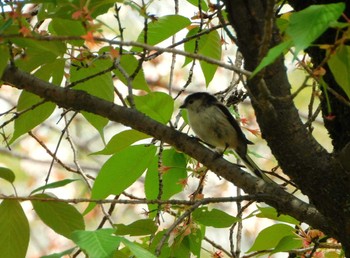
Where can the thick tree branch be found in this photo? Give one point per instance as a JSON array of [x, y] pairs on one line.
[[317, 173], [78, 100]]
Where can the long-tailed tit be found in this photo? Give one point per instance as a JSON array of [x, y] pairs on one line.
[[213, 123]]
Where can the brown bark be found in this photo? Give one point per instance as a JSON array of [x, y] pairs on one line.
[[318, 174]]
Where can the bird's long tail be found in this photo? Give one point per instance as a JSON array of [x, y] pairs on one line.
[[250, 164]]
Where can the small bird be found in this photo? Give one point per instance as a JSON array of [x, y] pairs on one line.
[[213, 123]]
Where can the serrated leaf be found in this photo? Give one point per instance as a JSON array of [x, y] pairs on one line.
[[7, 174], [27, 121], [122, 140], [269, 237], [120, 171], [14, 228], [288, 243], [176, 162], [162, 28], [208, 45], [62, 217], [271, 213], [307, 25], [100, 86], [339, 63], [56, 48], [172, 178], [137, 228], [213, 218], [68, 27], [137, 250], [54, 185], [37, 54], [272, 55], [129, 64], [157, 105], [210, 48], [34, 58], [98, 244]]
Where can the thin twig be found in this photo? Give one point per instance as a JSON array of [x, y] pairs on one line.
[[136, 44], [141, 201], [217, 246]]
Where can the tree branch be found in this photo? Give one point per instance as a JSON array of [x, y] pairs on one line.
[[284, 202]]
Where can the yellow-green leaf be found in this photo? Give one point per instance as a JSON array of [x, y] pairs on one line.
[[14, 228], [62, 217]]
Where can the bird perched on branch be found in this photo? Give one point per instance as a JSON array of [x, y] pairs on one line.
[[213, 123]]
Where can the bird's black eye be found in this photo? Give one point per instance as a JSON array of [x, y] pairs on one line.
[[190, 101]]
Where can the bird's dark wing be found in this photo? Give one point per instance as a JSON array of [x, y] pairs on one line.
[[233, 122]]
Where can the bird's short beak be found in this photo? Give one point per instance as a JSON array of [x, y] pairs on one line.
[[183, 105]]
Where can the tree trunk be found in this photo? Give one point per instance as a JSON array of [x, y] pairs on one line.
[[318, 173]]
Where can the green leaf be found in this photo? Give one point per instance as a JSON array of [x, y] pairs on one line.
[[208, 45], [204, 4], [172, 178], [157, 105], [176, 162], [166, 252], [38, 53], [5, 56], [122, 140], [271, 213], [98, 244], [14, 228], [65, 27], [120, 171], [129, 64], [138, 228], [100, 86], [213, 218], [288, 243], [195, 241], [162, 28], [7, 174], [210, 48], [34, 58], [333, 254], [307, 25], [6, 25], [272, 55], [62, 217], [137, 250], [269, 237], [339, 63], [101, 7], [59, 255], [30, 119], [181, 246], [56, 48], [53, 71], [282, 24], [54, 185]]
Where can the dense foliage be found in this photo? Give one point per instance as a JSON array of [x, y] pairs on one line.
[[96, 153]]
